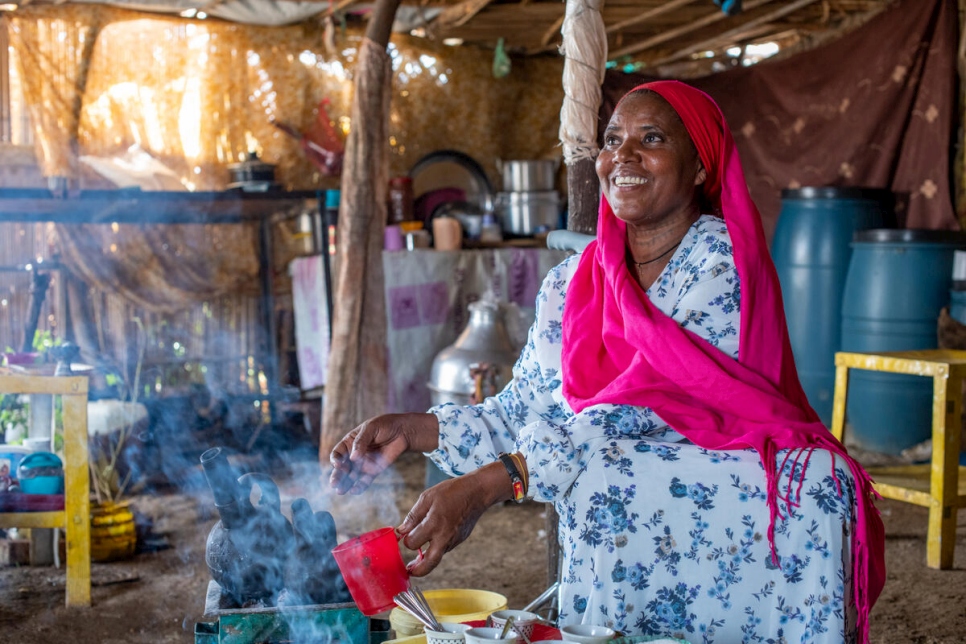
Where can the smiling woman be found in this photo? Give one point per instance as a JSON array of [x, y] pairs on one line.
[[656, 405]]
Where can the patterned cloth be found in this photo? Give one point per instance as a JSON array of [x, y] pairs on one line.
[[659, 536]]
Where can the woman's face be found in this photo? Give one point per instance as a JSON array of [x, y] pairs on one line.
[[648, 166]]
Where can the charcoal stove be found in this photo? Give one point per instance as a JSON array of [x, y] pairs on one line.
[[314, 624]]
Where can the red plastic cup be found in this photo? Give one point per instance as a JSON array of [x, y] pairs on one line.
[[373, 570]]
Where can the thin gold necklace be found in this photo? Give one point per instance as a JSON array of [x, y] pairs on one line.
[[651, 261]]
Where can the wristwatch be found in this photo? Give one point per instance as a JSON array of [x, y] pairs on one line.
[[516, 480]]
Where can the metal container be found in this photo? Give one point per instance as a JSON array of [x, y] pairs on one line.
[[529, 175], [416, 239], [41, 473], [527, 213], [479, 363], [252, 174]]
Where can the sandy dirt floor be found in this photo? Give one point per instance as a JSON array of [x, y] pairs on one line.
[[157, 597]]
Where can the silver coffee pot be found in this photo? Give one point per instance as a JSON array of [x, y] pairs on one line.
[[479, 364]]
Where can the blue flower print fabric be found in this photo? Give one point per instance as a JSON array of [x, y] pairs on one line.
[[657, 535]]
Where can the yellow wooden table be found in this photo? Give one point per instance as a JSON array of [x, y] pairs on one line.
[[75, 517], [940, 485]]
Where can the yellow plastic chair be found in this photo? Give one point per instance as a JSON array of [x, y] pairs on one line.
[[939, 485], [75, 517]]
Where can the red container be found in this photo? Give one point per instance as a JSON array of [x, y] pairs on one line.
[[373, 570]]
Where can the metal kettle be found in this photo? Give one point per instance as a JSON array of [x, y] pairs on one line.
[[247, 549], [479, 363]]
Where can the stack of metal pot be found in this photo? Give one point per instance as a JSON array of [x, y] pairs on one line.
[[529, 203]]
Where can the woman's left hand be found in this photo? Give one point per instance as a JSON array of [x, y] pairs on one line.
[[445, 514]]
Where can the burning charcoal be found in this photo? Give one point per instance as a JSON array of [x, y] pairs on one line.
[[312, 575]]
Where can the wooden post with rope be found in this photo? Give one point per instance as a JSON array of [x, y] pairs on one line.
[[356, 384], [585, 51]]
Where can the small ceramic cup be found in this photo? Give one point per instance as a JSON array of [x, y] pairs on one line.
[[392, 238], [452, 633], [447, 233], [587, 633], [486, 634], [523, 620]]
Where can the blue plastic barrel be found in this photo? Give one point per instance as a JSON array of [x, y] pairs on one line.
[[811, 249], [957, 305], [897, 284]]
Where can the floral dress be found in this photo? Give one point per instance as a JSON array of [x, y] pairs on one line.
[[659, 536]]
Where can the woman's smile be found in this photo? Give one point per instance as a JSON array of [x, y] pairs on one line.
[[648, 167], [627, 181]]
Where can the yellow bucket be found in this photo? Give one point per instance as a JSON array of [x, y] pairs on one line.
[[449, 605], [113, 531]]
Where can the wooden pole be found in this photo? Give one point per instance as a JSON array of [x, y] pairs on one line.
[[356, 384], [585, 49], [583, 198]]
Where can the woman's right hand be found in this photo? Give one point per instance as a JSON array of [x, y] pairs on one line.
[[375, 444]]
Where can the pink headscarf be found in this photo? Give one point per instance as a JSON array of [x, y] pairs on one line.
[[619, 348]]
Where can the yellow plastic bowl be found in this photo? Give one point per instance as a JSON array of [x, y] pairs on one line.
[[449, 605]]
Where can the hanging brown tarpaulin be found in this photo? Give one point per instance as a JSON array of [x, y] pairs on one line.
[[357, 382]]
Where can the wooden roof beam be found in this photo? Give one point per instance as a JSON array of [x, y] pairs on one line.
[[737, 33], [718, 46], [339, 6], [457, 15], [670, 34], [647, 15]]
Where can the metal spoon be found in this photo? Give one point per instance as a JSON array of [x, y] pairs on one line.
[[519, 632], [506, 628], [406, 601], [424, 603]]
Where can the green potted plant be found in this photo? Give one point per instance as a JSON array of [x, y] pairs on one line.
[[14, 418]]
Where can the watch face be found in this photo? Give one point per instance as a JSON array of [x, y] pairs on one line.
[[519, 493]]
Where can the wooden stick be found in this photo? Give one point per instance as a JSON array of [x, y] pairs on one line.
[[553, 31], [208, 6], [340, 5], [715, 44], [458, 15], [670, 34], [737, 32], [647, 15]]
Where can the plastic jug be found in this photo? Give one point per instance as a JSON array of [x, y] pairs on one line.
[[373, 569]]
